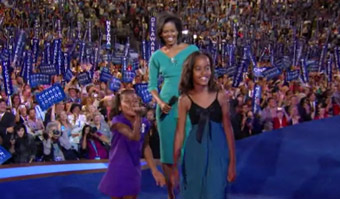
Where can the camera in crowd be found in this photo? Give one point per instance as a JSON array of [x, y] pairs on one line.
[[93, 130], [56, 132]]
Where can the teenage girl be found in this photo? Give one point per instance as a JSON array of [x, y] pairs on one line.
[[209, 160]]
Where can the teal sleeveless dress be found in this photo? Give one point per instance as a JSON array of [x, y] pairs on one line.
[[170, 69], [205, 160]]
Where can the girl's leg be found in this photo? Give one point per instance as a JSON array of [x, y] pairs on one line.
[[167, 169], [129, 197]]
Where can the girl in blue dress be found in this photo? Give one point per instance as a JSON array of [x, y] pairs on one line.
[[209, 160]]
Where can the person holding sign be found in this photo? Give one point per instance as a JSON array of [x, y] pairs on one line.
[[167, 62], [209, 160]]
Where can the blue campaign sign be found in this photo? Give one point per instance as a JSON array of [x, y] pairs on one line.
[[4, 155], [292, 75], [105, 75], [271, 73], [84, 78], [231, 70], [50, 96], [142, 92], [39, 79], [312, 65], [68, 75], [48, 69], [128, 76], [114, 84], [116, 60]]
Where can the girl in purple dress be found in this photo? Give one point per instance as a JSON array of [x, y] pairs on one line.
[[122, 179]]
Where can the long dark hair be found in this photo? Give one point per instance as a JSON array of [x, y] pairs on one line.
[[164, 18], [18, 127], [117, 101], [84, 129], [186, 84]]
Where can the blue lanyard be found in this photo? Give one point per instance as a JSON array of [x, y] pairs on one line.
[[94, 147]]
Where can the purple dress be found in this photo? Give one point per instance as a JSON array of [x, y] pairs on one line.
[[123, 176]]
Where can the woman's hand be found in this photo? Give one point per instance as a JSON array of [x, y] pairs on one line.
[[165, 107], [231, 172]]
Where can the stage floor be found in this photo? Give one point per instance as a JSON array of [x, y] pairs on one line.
[[301, 162]]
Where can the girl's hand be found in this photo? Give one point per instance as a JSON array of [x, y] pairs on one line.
[[231, 172], [174, 177], [165, 107], [159, 178]]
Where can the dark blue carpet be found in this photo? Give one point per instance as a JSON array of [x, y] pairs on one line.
[[301, 162]]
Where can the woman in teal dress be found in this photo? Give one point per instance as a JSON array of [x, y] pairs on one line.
[[167, 62], [209, 160]]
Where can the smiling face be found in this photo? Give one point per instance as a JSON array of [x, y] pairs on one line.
[[169, 33], [201, 71], [128, 102]]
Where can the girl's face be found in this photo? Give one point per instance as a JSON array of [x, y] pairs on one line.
[[21, 132], [169, 33], [201, 71], [128, 102]]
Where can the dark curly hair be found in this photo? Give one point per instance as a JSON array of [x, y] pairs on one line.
[[164, 18], [186, 84], [117, 101]]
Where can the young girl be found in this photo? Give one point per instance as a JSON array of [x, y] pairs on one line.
[[209, 154], [123, 177]]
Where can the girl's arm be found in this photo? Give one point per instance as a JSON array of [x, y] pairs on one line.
[[158, 176], [131, 134], [223, 100], [183, 107]]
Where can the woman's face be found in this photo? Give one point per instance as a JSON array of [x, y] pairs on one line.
[[21, 132], [16, 100], [87, 130], [76, 110], [91, 109], [169, 33], [63, 116], [201, 71], [97, 119], [23, 111]]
